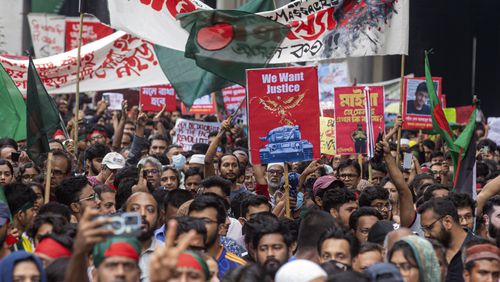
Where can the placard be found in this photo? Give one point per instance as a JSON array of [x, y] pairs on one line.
[[114, 100], [351, 130], [327, 135], [47, 34], [189, 132], [283, 114], [416, 104], [204, 106], [153, 98], [92, 31]]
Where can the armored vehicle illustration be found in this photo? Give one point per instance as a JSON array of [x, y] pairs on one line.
[[285, 144]]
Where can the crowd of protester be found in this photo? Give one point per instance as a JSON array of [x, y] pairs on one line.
[[208, 214]]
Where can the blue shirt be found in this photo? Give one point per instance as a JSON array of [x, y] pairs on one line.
[[227, 261]]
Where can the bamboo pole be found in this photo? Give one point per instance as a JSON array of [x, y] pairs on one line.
[[400, 106], [78, 66], [48, 175], [288, 213]]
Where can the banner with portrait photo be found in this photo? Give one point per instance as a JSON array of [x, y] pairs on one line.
[[283, 114], [416, 104], [351, 128]]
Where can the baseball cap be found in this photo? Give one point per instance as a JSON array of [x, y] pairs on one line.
[[4, 213], [114, 160], [322, 182], [197, 159]]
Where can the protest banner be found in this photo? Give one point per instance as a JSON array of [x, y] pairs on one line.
[[92, 30], [11, 27], [330, 76], [350, 119], [283, 114], [204, 106], [233, 97], [189, 132], [115, 62], [47, 34], [153, 98], [114, 100], [494, 129], [327, 136], [416, 107], [319, 29]]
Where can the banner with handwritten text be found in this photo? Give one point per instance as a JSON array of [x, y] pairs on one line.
[[153, 98], [350, 121], [189, 132], [47, 34], [92, 30]]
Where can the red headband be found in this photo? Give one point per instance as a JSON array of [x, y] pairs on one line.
[[121, 249], [96, 131], [187, 260], [52, 248], [482, 251]]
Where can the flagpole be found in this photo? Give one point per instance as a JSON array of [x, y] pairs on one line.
[[400, 106], [48, 175], [288, 213], [78, 65]]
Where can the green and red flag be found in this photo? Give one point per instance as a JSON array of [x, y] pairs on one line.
[[461, 147], [42, 114]]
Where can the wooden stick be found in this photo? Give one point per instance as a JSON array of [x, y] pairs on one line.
[[288, 213], [370, 177], [400, 106], [77, 93], [48, 175], [360, 161]]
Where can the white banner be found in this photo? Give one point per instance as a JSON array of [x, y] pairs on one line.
[[189, 132], [494, 130], [320, 29], [11, 26], [114, 62], [47, 34]]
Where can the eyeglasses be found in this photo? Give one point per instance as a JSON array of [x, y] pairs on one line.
[[151, 171], [275, 171], [208, 221], [382, 206], [92, 197], [427, 228], [348, 175]]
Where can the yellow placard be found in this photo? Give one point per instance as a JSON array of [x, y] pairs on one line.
[[450, 114], [327, 137]]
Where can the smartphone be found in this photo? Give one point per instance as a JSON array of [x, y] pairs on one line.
[[407, 160], [14, 156]]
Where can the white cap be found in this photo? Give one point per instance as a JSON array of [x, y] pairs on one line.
[[113, 160], [299, 270], [272, 164], [197, 159], [404, 141]]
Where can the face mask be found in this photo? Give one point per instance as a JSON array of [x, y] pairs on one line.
[[178, 161]]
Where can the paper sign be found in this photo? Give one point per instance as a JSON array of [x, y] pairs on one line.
[[92, 31], [153, 98], [330, 76], [327, 135], [189, 132], [450, 114], [416, 104], [283, 114], [204, 106], [350, 121], [114, 100], [47, 34], [494, 129], [233, 97]]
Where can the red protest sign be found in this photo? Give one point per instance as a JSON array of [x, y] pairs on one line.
[[204, 106], [351, 128], [283, 114], [153, 98], [92, 31], [416, 104], [233, 95]]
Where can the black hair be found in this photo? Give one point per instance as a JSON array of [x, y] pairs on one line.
[[56, 270], [63, 154], [253, 224], [428, 192], [124, 191], [406, 249], [252, 201], [335, 198], [159, 195], [349, 276], [191, 172], [236, 204], [18, 196], [55, 208], [24, 167], [362, 211], [96, 150], [312, 226], [161, 137], [176, 198], [199, 148], [270, 225], [487, 143], [172, 146], [334, 268], [210, 200], [436, 154], [8, 164], [8, 142], [482, 169], [57, 221], [366, 247], [416, 184], [429, 144], [369, 194], [379, 167], [125, 173], [248, 272], [176, 173], [490, 204], [69, 190], [440, 206], [103, 188], [224, 184], [340, 234], [186, 223], [225, 155], [463, 200], [347, 163]]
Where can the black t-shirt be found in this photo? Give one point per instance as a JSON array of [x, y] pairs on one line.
[[456, 267], [411, 109]]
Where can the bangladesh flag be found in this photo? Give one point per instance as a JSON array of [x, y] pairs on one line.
[[42, 114], [463, 147], [12, 109], [228, 42]]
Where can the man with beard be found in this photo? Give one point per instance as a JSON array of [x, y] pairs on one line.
[[271, 243], [159, 144], [229, 168], [210, 208], [93, 158], [4, 227], [377, 198], [439, 220], [146, 205], [491, 212], [151, 170]]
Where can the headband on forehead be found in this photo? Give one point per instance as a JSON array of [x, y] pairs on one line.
[[481, 251], [193, 260]]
